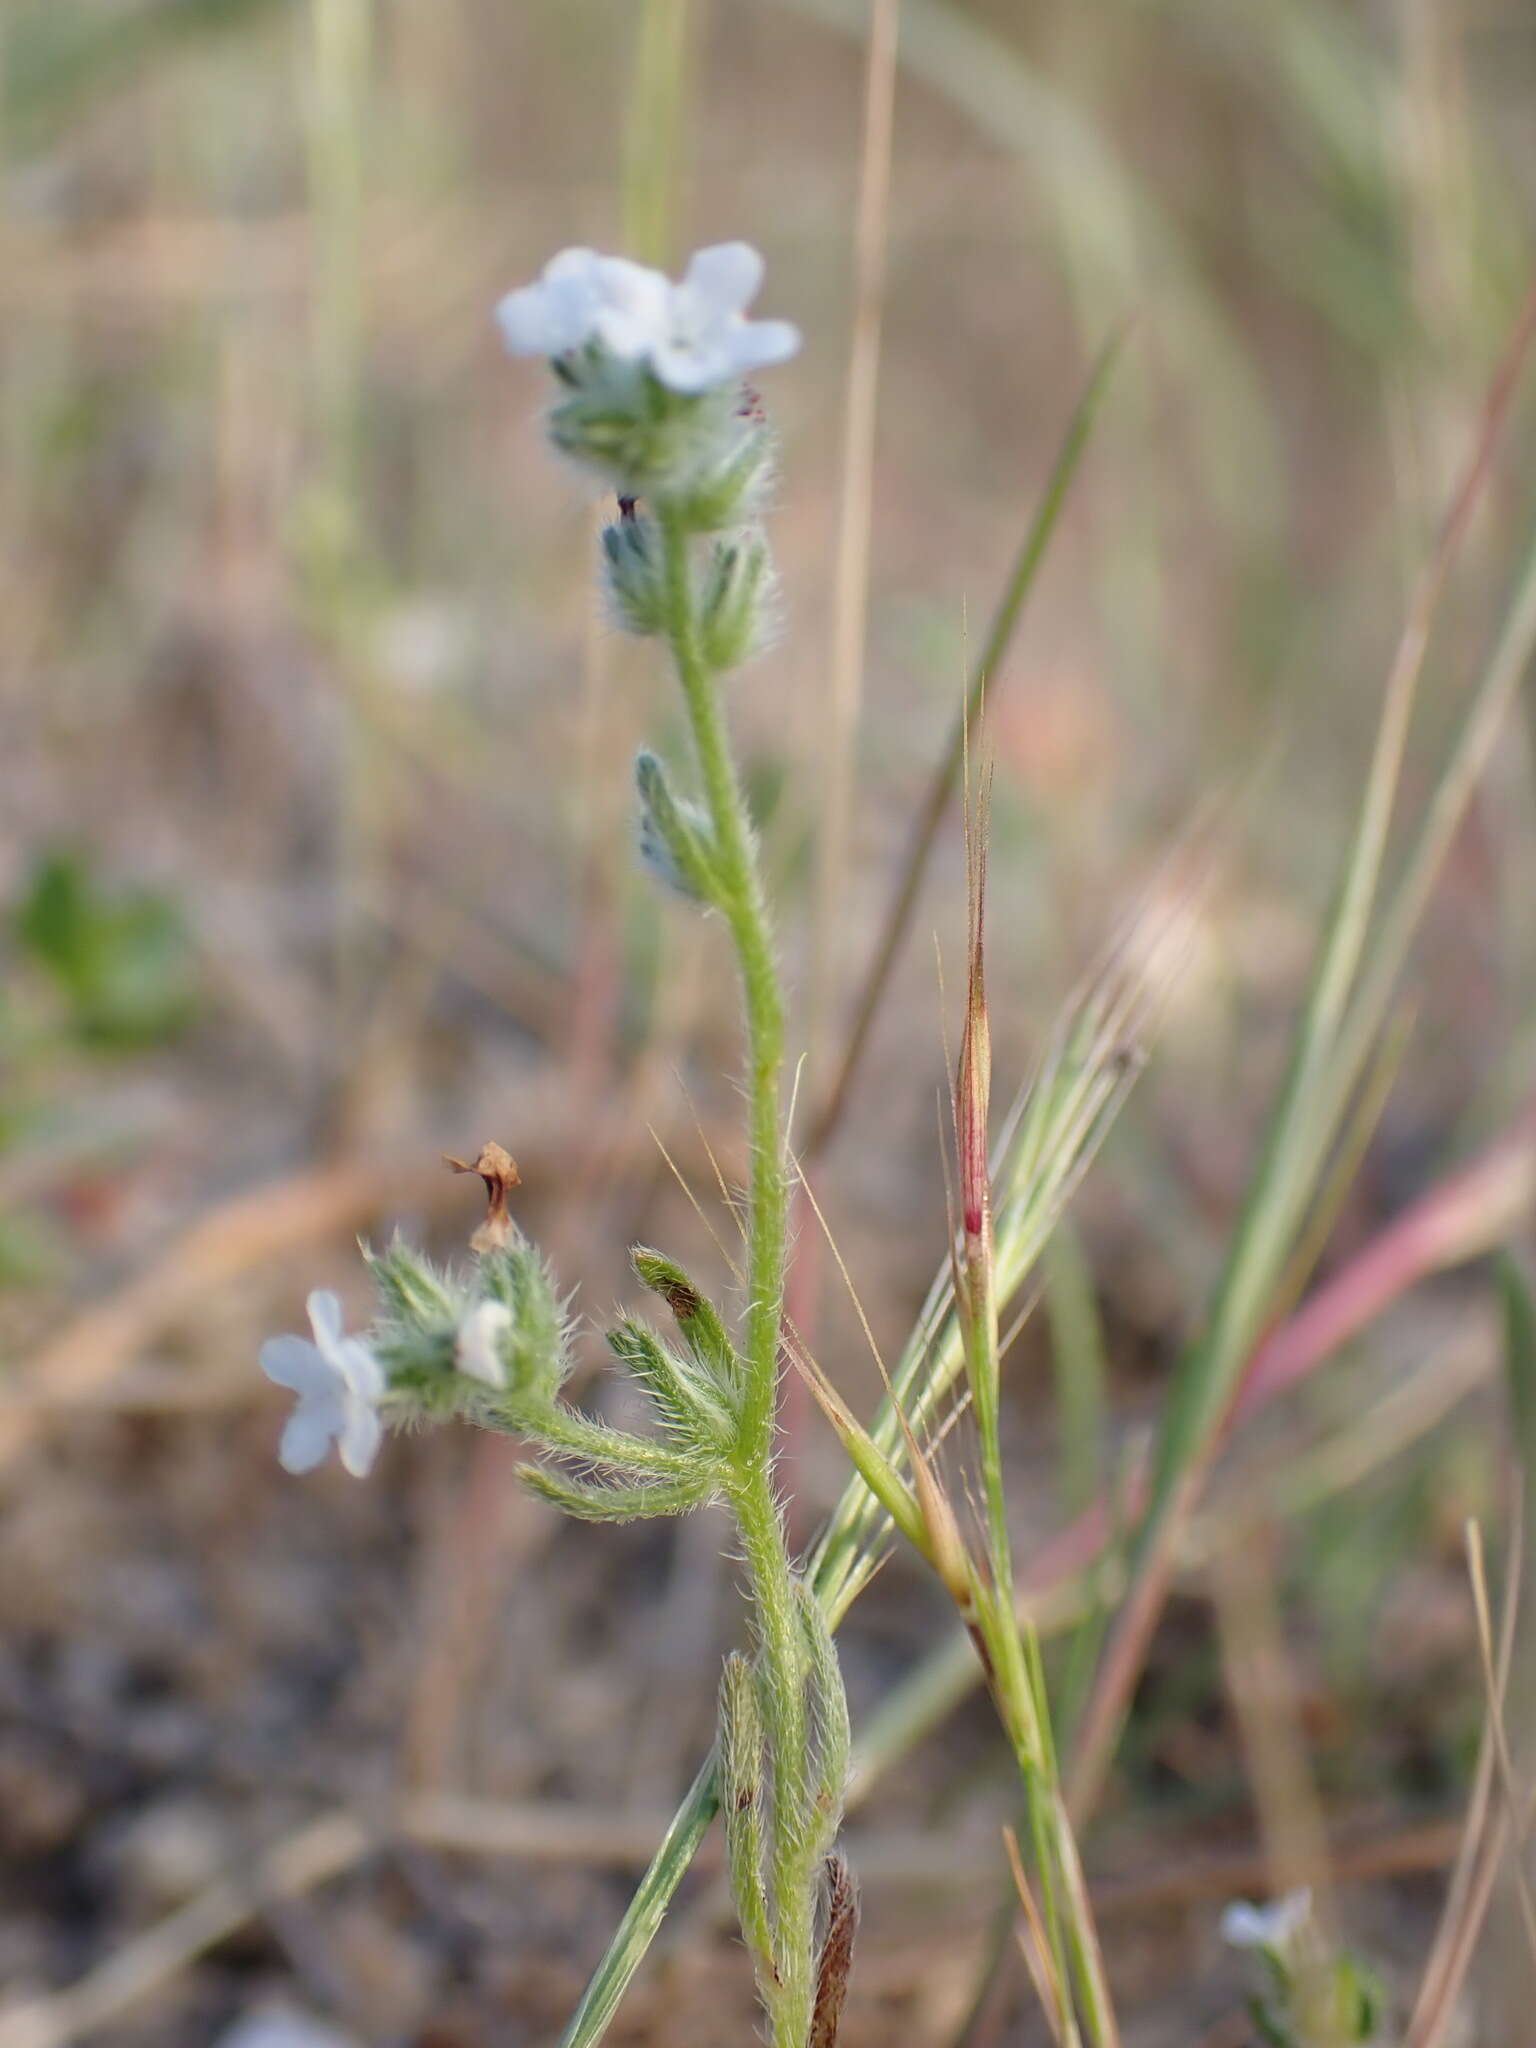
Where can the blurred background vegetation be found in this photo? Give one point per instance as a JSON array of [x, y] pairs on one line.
[[315, 864]]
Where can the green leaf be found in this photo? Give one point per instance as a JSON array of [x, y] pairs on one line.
[[647, 1909], [743, 1755], [688, 1404], [599, 1501], [698, 1321], [120, 959]]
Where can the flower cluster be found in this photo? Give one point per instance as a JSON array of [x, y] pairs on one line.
[[652, 399], [691, 336], [487, 1343]]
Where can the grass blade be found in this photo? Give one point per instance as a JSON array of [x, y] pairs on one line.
[[1350, 991], [646, 1911], [946, 776], [1078, 1362]]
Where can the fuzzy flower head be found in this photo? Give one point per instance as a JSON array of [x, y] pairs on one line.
[[1273, 1927], [693, 336], [339, 1384]]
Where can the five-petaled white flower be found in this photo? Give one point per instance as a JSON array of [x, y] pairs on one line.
[[693, 336], [1274, 1926], [478, 1345], [339, 1384], [563, 310]]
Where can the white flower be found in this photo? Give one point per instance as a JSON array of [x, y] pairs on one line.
[[559, 313], [478, 1345], [692, 336], [1274, 1926], [281, 2026], [339, 1383], [707, 338]]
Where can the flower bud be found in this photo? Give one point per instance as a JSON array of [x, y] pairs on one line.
[[636, 575], [733, 491], [410, 1288], [675, 839], [734, 602], [450, 1342], [419, 1307], [531, 1345]]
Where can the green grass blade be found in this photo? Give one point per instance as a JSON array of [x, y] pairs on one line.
[[946, 776], [1351, 991], [647, 1909], [1077, 1358], [1491, 703], [1520, 1365], [1328, 1056]]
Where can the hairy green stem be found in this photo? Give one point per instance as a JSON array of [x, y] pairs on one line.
[[792, 1849], [743, 905]]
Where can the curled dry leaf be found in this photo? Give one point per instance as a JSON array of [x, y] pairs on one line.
[[498, 1169]]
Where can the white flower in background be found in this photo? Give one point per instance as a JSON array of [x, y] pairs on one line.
[[478, 1345], [1274, 1926], [281, 2026], [692, 336], [339, 1384]]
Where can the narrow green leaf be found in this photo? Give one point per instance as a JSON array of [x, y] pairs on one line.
[[946, 775], [571, 1434], [601, 1501], [688, 1404], [743, 1761], [1077, 1356], [1520, 1365], [829, 1722], [698, 1321], [647, 1909]]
